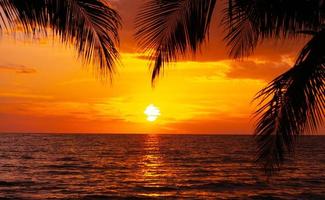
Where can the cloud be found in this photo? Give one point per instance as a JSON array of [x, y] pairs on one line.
[[261, 70], [145, 57], [216, 124], [77, 81], [19, 69], [26, 96]]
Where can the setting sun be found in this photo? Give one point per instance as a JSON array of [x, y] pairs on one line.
[[152, 113]]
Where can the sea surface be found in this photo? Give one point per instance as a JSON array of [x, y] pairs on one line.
[[40, 166]]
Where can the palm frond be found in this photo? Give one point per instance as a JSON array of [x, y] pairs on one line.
[[167, 29], [7, 14], [248, 22], [90, 25], [243, 35], [291, 105]]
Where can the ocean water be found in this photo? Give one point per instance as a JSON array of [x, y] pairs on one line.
[[152, 167]]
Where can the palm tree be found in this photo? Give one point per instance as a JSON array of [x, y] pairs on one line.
[[90, 25], [293, 103]]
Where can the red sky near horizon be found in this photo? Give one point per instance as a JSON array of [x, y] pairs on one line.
[[45, 88]]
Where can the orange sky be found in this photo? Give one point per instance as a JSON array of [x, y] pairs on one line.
[[45, 88]]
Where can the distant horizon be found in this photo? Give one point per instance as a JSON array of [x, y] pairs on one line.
[[94, 133]]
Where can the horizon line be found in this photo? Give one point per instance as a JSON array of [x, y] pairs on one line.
[[124, 133]]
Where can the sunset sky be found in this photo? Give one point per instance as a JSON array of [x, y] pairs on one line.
[[44, 87]]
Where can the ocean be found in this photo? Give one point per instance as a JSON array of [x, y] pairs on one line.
[[89, 167]]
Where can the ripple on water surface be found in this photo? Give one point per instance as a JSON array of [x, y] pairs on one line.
[[91, 167]]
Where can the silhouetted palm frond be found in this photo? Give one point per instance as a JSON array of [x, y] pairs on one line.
[[90, 25], [291, 105], [7, 14], [249, 22], [168, 28]]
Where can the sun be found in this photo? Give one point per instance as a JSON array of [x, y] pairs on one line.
[[152, 113]]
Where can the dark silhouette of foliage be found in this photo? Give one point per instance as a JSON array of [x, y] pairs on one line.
[[296, 105], [90, 25], [170, 27]]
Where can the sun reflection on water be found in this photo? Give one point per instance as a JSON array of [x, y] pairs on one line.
[[155, 172], [151, 159]]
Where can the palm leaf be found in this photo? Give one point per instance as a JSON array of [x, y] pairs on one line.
[[248, 22], [7, 14], [291, 105], [90, 25], [167, 29]]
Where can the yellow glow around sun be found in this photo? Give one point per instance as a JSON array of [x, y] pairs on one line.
[[152, 113]]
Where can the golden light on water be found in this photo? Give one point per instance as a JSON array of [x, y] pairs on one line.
[[152, 113]]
